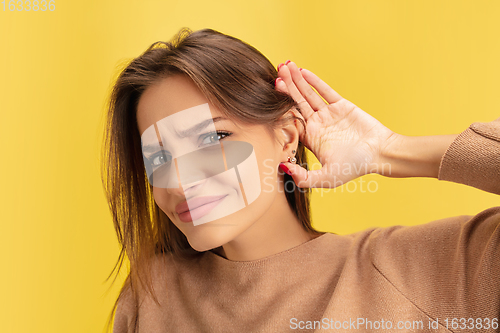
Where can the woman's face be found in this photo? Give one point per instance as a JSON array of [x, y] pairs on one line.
[[220, 206]]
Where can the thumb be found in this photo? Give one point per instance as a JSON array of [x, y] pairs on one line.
[[302, 177]]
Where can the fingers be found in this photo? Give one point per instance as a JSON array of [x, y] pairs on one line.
[[305, 108], [330, 95], [285, 75], [281, 86], [304, 178], [314, 100]]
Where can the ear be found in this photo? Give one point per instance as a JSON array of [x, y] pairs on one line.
[[288, 134]]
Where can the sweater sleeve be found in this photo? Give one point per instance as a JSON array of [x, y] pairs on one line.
[[473, 158], [450, 268]]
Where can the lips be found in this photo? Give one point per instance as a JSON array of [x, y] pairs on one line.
[[195, 203]]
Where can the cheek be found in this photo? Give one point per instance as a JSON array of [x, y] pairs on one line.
[[161, 198], [268, 162], [259, 172], [223, 183]]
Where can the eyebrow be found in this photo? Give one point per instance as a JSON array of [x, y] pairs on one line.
[[185, 133], [198, 127]]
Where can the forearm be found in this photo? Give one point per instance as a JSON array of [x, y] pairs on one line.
[[413, 156]]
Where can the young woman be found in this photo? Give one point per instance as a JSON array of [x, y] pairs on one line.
[[207, 180]]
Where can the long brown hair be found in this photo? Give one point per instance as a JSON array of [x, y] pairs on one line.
[[234, 77]]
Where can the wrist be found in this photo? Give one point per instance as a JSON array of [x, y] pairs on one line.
[[389, 155], [413, 156]]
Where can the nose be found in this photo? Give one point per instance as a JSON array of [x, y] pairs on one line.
[[173, 184], [187, 191], [179, 192]]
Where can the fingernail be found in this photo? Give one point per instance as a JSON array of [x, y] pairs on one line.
[[279, 66], [286, 63], [285, 169], [277, 80], [300, 68]]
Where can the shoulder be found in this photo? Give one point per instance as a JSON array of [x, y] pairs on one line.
[[130, 300], [126, 310], [441, 261], [401, 243]]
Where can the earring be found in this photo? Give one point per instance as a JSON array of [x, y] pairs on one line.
[[293, 159]]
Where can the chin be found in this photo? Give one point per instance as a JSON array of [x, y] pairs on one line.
[[208, 239], [202, 248], [202, 245]]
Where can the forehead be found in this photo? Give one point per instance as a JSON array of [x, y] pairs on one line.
[[167, 97]]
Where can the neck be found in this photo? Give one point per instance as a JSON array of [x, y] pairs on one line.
[[276, 231]]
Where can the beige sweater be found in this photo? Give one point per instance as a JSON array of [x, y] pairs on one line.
[[442, 276]]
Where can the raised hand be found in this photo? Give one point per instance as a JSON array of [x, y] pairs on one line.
[[346, 140]]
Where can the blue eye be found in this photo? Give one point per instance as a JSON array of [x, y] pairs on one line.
[[214, 137], [164, 156], [160, 158]]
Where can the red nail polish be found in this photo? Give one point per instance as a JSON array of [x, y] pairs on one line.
[[300, 68], [286, 63], [285, 169], [279, 66]]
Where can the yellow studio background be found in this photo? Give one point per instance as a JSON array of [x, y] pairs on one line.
[[419, 67]]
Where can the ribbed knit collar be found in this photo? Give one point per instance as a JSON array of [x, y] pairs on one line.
[[292, 254]]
